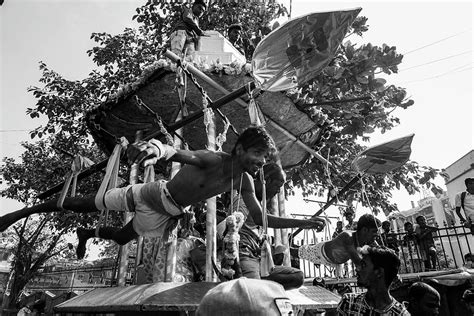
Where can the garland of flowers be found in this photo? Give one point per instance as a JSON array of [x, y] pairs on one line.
[[232, 69]]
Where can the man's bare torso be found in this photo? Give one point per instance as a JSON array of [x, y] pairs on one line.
[[342, 248], [193, 184]]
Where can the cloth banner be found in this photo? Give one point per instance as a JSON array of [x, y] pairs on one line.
[[299, 49]]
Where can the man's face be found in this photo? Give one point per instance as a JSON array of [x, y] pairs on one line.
[[234, 35], [274, 184], [339, 225], [365, 272], [368, 235], [198, 10], [386, 227], [409, 228], [252, 159], [428, 305], [349, 217], [468, 262], [470, 187], [421, 221]]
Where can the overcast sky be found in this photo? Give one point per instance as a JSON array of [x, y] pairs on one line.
[[436, 39]]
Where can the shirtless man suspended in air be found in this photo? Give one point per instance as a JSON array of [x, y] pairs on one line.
[[156, 204], [342, 248]]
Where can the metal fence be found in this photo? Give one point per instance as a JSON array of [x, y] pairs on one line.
[[451, 244]]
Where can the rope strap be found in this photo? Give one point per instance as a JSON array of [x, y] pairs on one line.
[[78, 164], [109, 181]]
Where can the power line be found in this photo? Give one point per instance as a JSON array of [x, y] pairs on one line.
[[14, 130], [438, 41], [437, 60], [457, 69]]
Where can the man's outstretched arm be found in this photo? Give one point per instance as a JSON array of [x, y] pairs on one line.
[[255, 210], [149, 152]]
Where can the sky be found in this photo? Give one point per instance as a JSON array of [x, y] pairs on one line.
[[435, 37]]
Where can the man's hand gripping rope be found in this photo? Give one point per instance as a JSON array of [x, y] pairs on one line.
[[149, 152]]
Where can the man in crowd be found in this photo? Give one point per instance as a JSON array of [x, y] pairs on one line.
[[349, 215], [426, 242], [185, 37], [423, 300], [389, 239], [158, 204], [376, 271], [410, 241], [468, 300], [234, 34], [465, 201], [338, 229]]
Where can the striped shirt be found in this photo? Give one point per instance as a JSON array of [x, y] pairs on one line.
[[353, 304]]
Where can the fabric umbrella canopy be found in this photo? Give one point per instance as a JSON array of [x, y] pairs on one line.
[[385, 157], [299, 49]]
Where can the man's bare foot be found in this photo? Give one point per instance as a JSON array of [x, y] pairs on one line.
[[81, 246]]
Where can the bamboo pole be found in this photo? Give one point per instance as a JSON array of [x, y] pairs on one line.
[[172, 247], [284, 231], [127, 217]]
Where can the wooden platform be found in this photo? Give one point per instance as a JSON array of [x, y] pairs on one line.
[[176, 297]]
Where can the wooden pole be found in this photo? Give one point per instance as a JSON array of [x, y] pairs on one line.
[[284, 231], [273, 209], [211, 245], [172, 247], [127, 217]]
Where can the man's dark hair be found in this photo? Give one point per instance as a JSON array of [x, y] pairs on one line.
[[386, 258], [201, 2], [368, 221], [468, 180], [468, 256], [419, 289], [406, 224], [234, 26], [256, 137], [419, 217], [385, 222]]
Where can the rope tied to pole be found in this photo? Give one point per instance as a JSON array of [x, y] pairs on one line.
[[109, 181]]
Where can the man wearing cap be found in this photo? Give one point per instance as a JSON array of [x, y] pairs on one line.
[[465, 200], [243, 297], [376, 272], [187, 31]]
